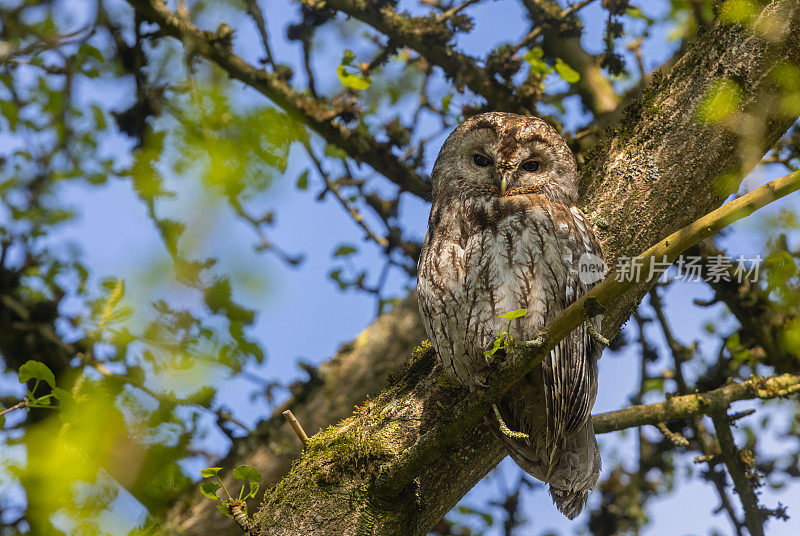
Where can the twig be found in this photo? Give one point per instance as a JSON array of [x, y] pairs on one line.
[[594, 334], [677, 439], [19, 405], [680, 354], [682, 407], [407, 30], [730, 455], [296, 426], [258, 226], [254, 10], [504, 428], [706, 458], [536, 32], [238, 510], [352, 210], [455, 9], [740, 415]]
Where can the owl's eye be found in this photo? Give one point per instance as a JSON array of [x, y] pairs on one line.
[[530, 165], [481, 160]]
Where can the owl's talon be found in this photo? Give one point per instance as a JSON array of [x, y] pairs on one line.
[[596, 335], [505, 429]]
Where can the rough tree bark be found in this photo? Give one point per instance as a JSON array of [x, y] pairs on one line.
[[663, 168]]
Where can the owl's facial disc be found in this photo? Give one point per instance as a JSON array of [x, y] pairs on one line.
[[504, 155]]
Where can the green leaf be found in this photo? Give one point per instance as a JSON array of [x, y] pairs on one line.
[[253, 490], [335, 152], [224, 509], [210, 471], [2, 421], [446, 102], [512, 315], [336, 275], [209, 489], [344, 250], [353, 81], [11, 113], [499, 341], [738, 11], [38, 371], [302, 181], [247, 472], [534, 59], [88, 51], [653, 384], [566, 72], [535, 53], [637, 13], [99, 117]]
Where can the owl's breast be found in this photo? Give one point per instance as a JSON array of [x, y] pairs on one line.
[[489, 259]]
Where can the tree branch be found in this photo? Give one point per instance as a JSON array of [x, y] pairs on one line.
[[429, 36], [316, 113], [730, 455], [595, 90], [708, 403]]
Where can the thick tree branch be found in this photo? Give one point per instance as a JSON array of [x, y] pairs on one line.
[[666, 157], [317, 114], [357, 371]]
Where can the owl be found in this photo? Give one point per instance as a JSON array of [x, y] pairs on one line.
[[504, 234]]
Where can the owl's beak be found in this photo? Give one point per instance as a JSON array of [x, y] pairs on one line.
[[506, 181]]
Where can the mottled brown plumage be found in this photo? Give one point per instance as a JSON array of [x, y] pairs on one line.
[[504, 234]]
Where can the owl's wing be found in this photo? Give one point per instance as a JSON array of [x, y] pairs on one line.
[[570, 371], [570, 383]]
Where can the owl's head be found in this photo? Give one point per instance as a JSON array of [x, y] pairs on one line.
[[504, 154]]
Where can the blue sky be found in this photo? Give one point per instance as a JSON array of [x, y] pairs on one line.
[[303, 316]]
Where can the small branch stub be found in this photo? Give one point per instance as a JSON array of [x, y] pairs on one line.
[[296, 426], [239, 512], [504, 428], [677, 439]]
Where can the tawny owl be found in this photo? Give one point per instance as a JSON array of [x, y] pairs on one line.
[[504, 234]]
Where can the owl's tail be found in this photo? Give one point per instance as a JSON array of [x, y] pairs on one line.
[[571, 469], [575, 470]]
